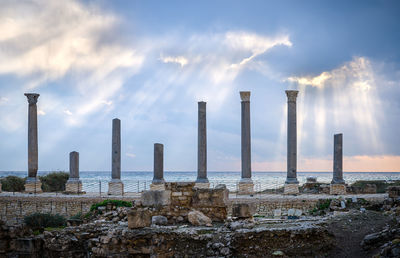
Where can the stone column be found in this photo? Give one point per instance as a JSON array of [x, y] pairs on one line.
[[291, 184], [74, 185], [32, 183], [338, 184], [158, 182], [115, 186], [202, 181], [246, 185]]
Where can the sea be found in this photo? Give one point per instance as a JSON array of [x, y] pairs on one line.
[[136, 181]]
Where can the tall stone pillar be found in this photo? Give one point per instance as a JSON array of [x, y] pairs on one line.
[[74, 185], [32, 183], [115, 186], [202, 181], [338, 184], [246, 185], [158, 178], [291, 184]]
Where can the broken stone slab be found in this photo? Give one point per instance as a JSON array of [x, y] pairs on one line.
[[139, 218], [277, 213], [197, 218], [243, 210], [217, 197], [155, 198]]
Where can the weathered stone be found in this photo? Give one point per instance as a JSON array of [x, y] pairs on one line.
[[337, 189], [159, 220], [243, 210], [158, 164], [32, 135], [245, 188], [33, 185], [210, 198], [394, 191], [115, 187], [139, 218], [338, 159], [197, 218], [202, 185], [298, 212], [291, 212], [155, 198], [277, 212], [311, 179], [116, 149], [292, 138], [246, 141], [291, 189], [157, 187], [369, 189], [73, 185], [202, 144]]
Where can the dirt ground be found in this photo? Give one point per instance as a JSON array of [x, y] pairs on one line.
[[350, 229]]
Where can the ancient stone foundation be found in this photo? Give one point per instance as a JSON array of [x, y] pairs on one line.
[[336, 189], [115, 187], [291, 189], [394, 191], [73, 186], [202, 185], [177, 201], [33, 185], [157, 187], [245, 188]]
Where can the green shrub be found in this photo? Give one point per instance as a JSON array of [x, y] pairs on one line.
[[117, 203], [54, 182], [77, 216], [381, 185], [44, 220], [13, 184]]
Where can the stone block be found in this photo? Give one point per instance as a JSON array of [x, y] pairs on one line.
[[210, 197], [291, 189], [369, 189], [277, 213], [139, 218], [33, 186], [243, 210], [73, 186], [155, 198], [337, 189], [159, 220], [115, 187], [245, 188], [202, 185], [394, 191], [311, 179], [197, 218], [157, 187], [0, 187]]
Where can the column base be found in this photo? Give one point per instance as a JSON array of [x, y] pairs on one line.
[[336, 189], [202, 185], [291, 189], [73, 186], [158, 187], [246, 188], [33, 185], [115, 187]]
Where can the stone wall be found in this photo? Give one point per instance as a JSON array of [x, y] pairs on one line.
[[14, 209]]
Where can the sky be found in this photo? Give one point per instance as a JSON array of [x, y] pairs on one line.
[[148, 63]]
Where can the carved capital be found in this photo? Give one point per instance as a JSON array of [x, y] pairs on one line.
[[245, 95], [291, 95], [32, 97]]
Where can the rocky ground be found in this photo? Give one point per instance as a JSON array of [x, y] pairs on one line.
[[342, 228]]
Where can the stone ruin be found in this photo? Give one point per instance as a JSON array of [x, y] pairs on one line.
[[180, 202]]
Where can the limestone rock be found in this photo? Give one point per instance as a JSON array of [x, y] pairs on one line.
[[394, 191], [155, 198], [139, 218], [197, 218], [242, 210], [159, 220]]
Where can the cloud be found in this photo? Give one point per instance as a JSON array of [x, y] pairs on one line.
[[3, 100], [182, 61], [67, 112], [44, 41], [130, 155]]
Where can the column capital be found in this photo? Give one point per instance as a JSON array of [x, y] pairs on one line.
[[291, 95], [245, 95], [32, 97]]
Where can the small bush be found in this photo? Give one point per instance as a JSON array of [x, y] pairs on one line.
[[13, 184], [44, 220], [117, 203], [54, 182], [77, 216]]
